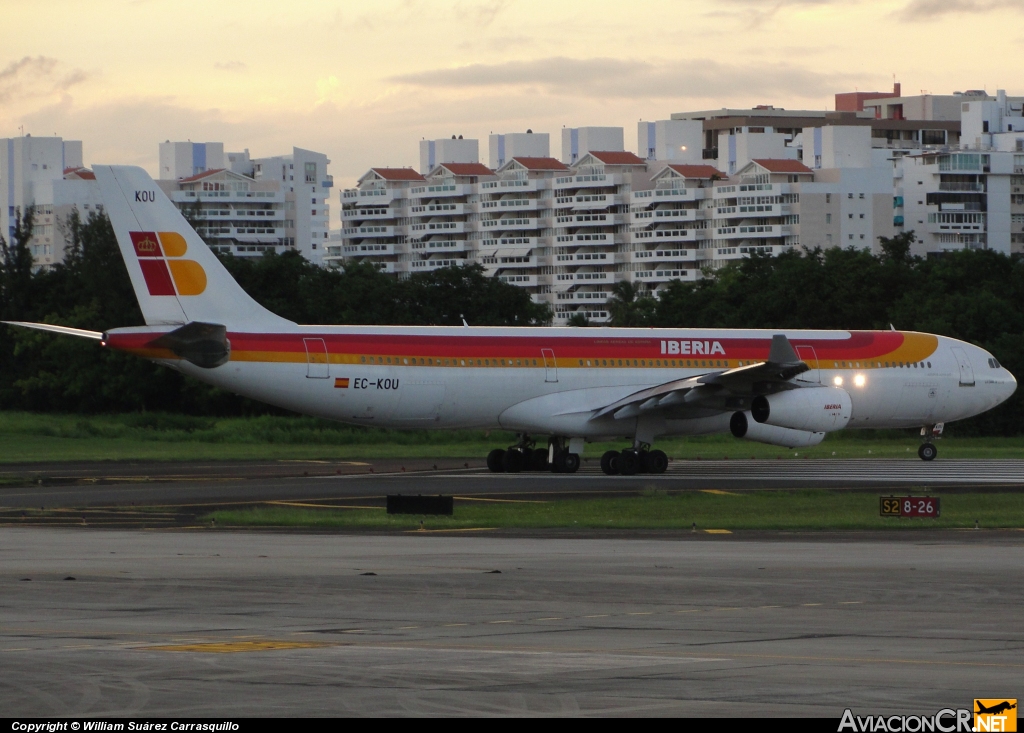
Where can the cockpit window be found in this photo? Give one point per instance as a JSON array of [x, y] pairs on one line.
[[994, 363]]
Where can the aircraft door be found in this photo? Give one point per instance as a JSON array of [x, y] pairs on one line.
[[317, 366], [550, 367], [966, 370], [809, 356]]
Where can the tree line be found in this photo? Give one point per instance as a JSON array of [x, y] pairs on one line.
[[973, 295]]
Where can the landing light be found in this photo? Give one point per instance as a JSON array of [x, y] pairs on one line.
[[859, 380], [838, 381]]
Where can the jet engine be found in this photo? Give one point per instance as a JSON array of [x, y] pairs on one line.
[[814, 409], [742, 426]]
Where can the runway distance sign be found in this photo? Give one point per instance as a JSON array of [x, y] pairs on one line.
[[909, 506]]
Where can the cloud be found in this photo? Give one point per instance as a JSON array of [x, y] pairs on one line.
[[924, 10], [633, 79], [231, 65], [756, 12], [36, 76]]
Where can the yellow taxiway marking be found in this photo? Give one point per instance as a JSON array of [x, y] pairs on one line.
[[456, 624], [502, 622], [639, 613], [719, 492], [849, 603], [236, 646], [501, 501], [688, 610], [810, 604], [597, 615], [322, 506], [550, 618], [402, 628], [718, 531], [774, 606], [461, 529]]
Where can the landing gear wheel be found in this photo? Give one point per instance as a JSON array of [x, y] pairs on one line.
[[655, 461], [927, 452], [513, 461], [629, 463], [566, 462], [610, 462], [496, 461], [538, 460]]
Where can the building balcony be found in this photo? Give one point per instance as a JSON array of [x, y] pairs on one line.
[[500, 206], [663, 255], [509, 223], [583, 296], [190, 197], [750, 231], [441, 190], [658, 216], [506, 242], [736, 253], [522, 281], [667, 236], [438, 245], [667, 195], [435, 264], [368, 250], [513, 185], [418, 231], [439, 209], [589, 220], [663, 275], [373, 230], [367, 213], [590, 180]]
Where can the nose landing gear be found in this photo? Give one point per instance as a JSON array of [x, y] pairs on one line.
[[928, 451]]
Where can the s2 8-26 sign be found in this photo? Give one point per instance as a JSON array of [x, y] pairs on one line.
[[909, 506]]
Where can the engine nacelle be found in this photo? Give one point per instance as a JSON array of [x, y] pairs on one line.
[[743, 426], [814, 409]]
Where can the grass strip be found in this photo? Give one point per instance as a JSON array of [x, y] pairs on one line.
[[761, 510], [28, 437]]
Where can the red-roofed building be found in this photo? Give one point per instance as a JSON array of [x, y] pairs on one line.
[[788, 167], [539, 164], [616, 157], [79, 174]]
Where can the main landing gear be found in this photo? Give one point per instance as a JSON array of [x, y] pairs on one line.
[[928, 451], [523, 456], [633, 461]]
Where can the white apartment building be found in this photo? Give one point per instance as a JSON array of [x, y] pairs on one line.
[[443, 216], [375, 221], [592, 203], [963, 199], [435, 152], [306, 184], [47, 173], [669, 226], [247, 207], [578, 141], [516, 224], [504, 147], [233, 213]]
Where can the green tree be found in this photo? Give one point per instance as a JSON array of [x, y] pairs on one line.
[[630, 306]]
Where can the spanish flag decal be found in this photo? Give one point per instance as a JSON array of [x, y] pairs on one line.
[[341, 383]]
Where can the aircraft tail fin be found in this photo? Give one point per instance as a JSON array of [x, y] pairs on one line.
[[177, 279]]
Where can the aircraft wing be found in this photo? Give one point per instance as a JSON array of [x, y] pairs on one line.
[[731, 389], [64, 330]]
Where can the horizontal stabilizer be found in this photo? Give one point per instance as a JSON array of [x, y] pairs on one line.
[[64, 330]]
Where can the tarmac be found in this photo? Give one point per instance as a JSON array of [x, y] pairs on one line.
[[234, 624], [213, 483]]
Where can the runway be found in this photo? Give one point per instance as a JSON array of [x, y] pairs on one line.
[[114, 623], [211, 483]]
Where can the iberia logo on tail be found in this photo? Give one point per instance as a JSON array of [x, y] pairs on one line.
[[165, 272]]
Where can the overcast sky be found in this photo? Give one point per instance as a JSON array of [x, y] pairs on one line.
[[365, 81]]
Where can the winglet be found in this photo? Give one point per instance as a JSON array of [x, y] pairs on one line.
[[781, 351]]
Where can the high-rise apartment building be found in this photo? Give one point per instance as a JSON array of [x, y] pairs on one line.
[[456, 150], [578, 141], [249, 206], [46, 173], [503, 148]]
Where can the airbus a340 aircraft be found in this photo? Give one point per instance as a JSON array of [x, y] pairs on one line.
[[565, 385]]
